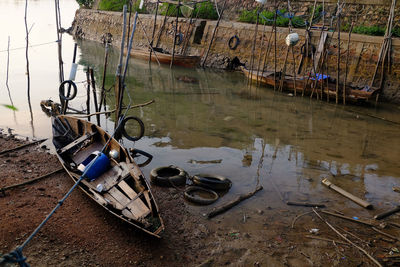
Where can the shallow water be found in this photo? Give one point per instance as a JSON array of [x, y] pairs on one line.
[[217, 124]]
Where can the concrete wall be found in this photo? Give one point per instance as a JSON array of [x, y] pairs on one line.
[[364, 50]]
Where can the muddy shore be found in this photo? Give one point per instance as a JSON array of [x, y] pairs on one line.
[[82, 234]]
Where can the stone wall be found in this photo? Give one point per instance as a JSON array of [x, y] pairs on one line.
[[364, 50]]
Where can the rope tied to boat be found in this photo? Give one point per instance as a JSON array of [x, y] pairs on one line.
[[14, 256]]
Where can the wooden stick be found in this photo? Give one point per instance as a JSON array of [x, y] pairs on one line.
[[385, 234], [347, 240], [96, 107], [338, 55], [387, 213], [30, 181], [175, 33], [21, 146], [233, 203], [250, 78], [154, 28], [348, 218], [162, 26], [305, 204], [297, 217], [103, 82], [113, 110], [149, 42], [328, 240], [294, 73], [347, 63], [213, 35], [339, 190], [88, 93], [283, 71]]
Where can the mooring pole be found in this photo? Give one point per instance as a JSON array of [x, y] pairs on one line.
[[275, 44], [154, 29], [213, 35], [103, 89], [338, 56], [175, 33]]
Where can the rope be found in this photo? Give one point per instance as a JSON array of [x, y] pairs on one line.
[[19, 48], [14, 257]]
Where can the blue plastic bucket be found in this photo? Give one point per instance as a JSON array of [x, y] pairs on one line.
[[101, 165]]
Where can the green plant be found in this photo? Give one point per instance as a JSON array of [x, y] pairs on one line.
[[171, 10], [205, 10], [369, 30], [10, 107], [117, 5], [85, 3]]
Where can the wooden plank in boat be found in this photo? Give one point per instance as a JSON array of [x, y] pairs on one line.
[[132, 195], [79, 157], [76, 142], [125, 201]]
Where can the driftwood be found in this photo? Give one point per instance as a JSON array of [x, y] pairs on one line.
[[305, 204], [339, 190], [233, 203], [347, 240], [348, 218], [30, 181], [387, 213], [328, 240], [22, 146], [385, 234]]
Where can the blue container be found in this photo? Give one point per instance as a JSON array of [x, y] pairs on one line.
[[101, 165]]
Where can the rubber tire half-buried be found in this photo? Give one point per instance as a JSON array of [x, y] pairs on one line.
[[168, 176], [214, 182], [198, 199]]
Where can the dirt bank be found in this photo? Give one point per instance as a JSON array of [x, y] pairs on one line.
[[82, 234]]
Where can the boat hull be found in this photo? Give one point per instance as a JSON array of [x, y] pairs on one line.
[[179, 60], [125, 193]]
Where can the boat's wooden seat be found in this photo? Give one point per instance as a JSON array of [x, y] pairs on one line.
[[76, 142]]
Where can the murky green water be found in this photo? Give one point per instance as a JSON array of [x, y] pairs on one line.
[[217, 124]]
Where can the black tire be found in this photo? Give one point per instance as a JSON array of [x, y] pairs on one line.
[[168, 176], [214, 182], [61, 90], [233, 42], [126, 135], [200, 200]]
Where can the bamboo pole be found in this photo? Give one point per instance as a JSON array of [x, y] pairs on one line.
[[187, 35], [28, 77], [213, 34], [249, 80], [96, 106], [259, 56], [338, 55], [162, 26], [275, 7], [347, 64], [148, 42], [88, 93], [175, 33], [103, 82], [8, 67]]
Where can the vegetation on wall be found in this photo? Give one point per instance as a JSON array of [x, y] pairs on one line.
[[117, 5], [85, 3], [205, 10]]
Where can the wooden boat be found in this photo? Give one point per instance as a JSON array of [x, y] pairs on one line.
[[118, 184], [352, 94], [165, 58]]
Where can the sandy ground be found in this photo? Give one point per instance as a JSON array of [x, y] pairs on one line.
[[83, 234]]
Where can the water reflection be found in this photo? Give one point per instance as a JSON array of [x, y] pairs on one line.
[[210, 121]]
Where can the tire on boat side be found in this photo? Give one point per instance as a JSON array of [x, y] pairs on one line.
[[124, 132], [168, 176], [212, 181], [198, 199]]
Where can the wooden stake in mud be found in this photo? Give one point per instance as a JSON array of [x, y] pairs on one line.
[[96, 107], [283, 71], [347, 63], [175, 32], [163, 25], [276, 9], [249, 80], [154, 28], [294, 72], [88, 93], [338, 55], [103, 82], [213, 35]]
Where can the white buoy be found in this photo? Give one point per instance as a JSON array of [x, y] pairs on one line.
[[141, 4], [292, 39], [114, 154]]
